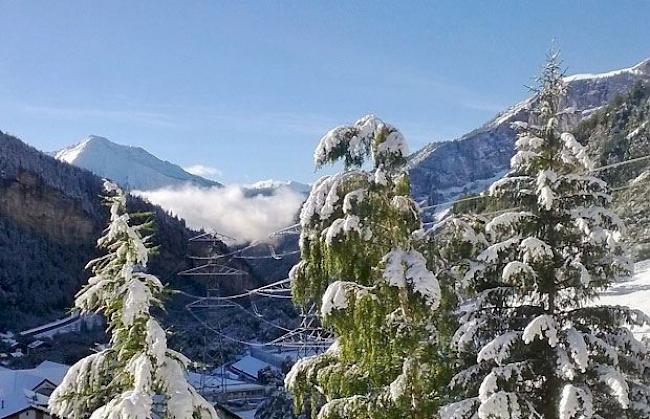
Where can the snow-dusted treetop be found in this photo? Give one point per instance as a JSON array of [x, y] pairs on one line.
[[368, 136], [137, 377]]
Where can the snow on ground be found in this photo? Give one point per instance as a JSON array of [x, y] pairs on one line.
[[634, 293]]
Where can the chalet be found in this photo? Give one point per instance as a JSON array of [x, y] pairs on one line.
[[24, 393], [73, 323]]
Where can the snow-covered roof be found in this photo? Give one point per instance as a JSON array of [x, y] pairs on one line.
[[16, 386], [35, 344], [250, 365], [51, 325], [219, 383]]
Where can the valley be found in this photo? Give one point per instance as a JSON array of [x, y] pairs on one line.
[[502, 274]]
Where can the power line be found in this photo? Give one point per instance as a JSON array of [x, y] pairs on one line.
[[471, 198], [248, 293], [621, 163], [518, 208], [273, 343], [307, 337]]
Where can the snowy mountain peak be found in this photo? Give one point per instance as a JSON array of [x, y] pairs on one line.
[[96, 139], [70, 154], [132, 167]]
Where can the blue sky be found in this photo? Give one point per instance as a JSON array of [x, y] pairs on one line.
[[249, 87]]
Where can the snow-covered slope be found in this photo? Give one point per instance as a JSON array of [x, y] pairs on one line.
[[132, 167], [269, 186], [634, 293], [442, 171]]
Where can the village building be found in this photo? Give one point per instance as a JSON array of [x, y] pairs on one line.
[[24, 393]]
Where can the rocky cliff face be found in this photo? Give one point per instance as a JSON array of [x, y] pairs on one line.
[[443, 171], [29, 202]]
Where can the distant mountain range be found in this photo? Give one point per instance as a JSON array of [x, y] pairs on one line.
[[132, 167], [136, 169], [442, 171], [268, 187]]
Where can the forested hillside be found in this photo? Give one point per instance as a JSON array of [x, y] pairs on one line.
[[51, 214]]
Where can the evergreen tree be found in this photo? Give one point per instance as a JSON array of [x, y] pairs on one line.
[[279, 405], [137, 376], [361, 265], [534, 345]]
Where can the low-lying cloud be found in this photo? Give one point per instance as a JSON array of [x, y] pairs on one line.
[[230, 210]]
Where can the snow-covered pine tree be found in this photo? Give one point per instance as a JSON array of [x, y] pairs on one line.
[[538, 349], [137, 376], [360, 264]]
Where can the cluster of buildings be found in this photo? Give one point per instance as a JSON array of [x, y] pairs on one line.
[[243, 384], [235, 388]]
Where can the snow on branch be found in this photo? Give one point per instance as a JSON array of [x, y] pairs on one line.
[[523, 159], [577, 347], [408, 268], [337, 294], [540, 327], [575, 402], [498, 250], [501, 405], [464, 409], [507, 222], [324, 200], [346, 225], [498, 350], [573, 152], [535, 250], [616, 382], [517, 270]]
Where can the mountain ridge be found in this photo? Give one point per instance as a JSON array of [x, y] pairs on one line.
[[444, 170], [132, 167]]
